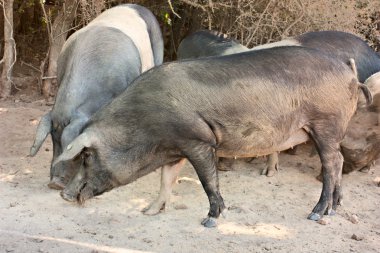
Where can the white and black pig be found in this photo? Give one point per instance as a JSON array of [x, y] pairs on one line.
[[96, 64]]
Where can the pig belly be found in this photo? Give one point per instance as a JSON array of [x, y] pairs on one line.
[[247, 149]]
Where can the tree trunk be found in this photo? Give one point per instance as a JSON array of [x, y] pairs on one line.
[[57, 38], [9, 50]]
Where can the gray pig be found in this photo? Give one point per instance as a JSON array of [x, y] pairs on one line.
[[337, 44], [242, 105], [96, 64]]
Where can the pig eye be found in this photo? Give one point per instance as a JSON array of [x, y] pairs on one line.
[[88, 157], [86, 154]]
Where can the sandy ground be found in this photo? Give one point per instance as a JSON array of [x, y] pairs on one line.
[[265, 214]]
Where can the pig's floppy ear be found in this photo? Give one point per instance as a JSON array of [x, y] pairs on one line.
[[85, 140], [373, 83]]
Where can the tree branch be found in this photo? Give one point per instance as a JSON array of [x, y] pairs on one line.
[[172, 9]]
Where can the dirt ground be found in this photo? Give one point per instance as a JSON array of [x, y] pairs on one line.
[[264, 214]]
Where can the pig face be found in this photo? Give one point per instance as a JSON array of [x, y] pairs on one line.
[[90, 180], [100, 166], [93, 176]]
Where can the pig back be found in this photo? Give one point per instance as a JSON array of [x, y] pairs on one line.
[[259, 98]]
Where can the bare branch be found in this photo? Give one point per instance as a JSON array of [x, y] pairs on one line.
[[258, 23], [196, 5], [48, 77], [286, 31], [31, 66], [48, 20], [172, 9]]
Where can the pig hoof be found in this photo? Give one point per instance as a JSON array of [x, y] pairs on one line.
[[150, 211], [209, 222], [271, 173], [153, 209], [68, 197], [268, 172], [314, 216], [264, 171], [223, 167], [365, 169], [56, 184]]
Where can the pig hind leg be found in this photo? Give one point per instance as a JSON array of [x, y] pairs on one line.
[[204, 161], [271, 166], [225, 164], [327, 144], [169, 174]]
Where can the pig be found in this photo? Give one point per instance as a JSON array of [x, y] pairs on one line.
[[337, 44], [205, 43], [95, 65], [241, 105], [361, 146], [342, 45], [373, 84]]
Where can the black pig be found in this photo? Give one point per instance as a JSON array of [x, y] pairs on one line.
[[242, 105]]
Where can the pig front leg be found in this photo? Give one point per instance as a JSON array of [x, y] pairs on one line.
[[272, 165], [169, 174], [204, 161]]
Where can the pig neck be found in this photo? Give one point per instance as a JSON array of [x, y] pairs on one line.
[[139, 154], [146, 162]]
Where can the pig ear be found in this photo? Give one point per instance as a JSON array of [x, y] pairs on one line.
[[373, 83], [43, 130], [85, 140]]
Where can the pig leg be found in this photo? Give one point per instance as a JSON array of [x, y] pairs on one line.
[[272, 165], [225, 164], [169, 174], [332, 164], [57, 150], [204, 161], [365, 169], [60, 174], [292, 151]]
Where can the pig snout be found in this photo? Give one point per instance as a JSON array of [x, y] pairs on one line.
[[85, 192], [74, 187], [69, 196]]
